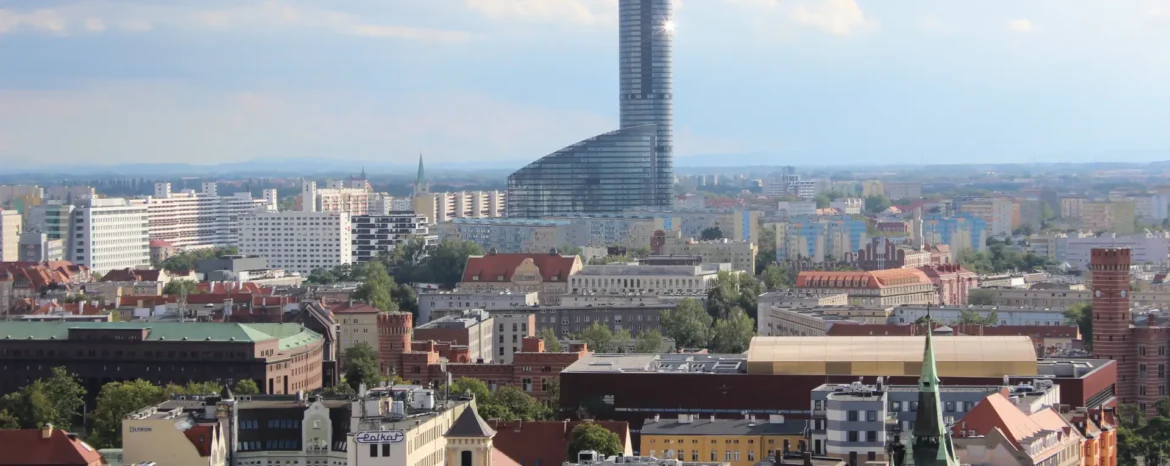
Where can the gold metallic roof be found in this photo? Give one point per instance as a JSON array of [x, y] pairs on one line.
[[965, 356]]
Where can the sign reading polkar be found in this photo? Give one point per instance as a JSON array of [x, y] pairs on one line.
[[380, 436]]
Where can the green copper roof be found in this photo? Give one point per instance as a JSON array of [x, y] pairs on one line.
[[289, 335]]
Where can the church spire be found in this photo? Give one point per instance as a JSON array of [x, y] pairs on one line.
[[420, 180], [932, 443]]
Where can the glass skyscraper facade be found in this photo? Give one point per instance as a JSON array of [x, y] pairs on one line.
[[627, 168]]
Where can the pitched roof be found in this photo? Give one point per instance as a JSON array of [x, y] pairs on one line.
[[499, 267], [26, 447], [160, 243], [546, 442], [353, 308], [470, 424], [132, 275], [202, 436], [997, 411]]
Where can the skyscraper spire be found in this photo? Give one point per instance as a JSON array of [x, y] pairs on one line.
[[931, 442], [420, 180]]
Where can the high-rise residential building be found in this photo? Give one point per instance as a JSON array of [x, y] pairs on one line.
[[107, 234], [820, 239], [298, 241], [960, 232], [906, 190], [509, 235], [192, 220], [997, 213], [628, 167], [10, 222], [351, 197], [375, 234], [1072, 207], [1116, 217], [443, 207]]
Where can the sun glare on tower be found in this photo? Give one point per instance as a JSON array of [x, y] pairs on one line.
[[668, 26]]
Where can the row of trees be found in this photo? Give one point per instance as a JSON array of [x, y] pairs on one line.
[[603, 340], [377, 287], [410, 262], [186, 260], [1000, 258], [59, 399], [691, 326], [506, 403]]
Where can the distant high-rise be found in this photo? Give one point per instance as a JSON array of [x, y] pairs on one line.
[[630, 167]]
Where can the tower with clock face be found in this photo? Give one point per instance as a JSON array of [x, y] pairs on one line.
[[1112, 335]]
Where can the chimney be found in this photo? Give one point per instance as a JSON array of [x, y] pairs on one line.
[[656, 418], [47, 431]]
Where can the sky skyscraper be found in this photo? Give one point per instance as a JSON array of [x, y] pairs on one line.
[[627, 168]]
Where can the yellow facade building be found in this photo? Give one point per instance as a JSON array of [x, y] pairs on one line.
[[740, 442]]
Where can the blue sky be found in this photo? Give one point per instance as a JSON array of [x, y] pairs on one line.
[[379, 81]]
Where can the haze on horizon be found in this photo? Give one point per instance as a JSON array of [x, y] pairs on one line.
[[93, 82]]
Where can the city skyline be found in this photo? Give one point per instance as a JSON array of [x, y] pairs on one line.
[[835, 81]]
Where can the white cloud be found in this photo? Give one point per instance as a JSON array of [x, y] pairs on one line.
[[585, 12], [95, 16], [837, 17], [175, 122], [1020, 25], [94, 25]]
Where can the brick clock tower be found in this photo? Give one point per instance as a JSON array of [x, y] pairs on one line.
[[1112, 335]]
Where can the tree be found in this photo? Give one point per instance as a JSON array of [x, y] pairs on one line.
[[520, 405], [66, 395], [376, 286], [361, 366], [601, 339], [822, 201], [551, 343], [775, 277], [734, 333], [475, 387], [339, 391], [405, 298], [30, 406], [649, 341], [589, 436], [688, 324], [322, 277], [876, 203], [179, 287], [981, 297], [972, 317], [711, 233], [8, 421], [246, 387], [445, 264], [732, 290], [1081, 315], [570, 250], [115, 401], [766, 254]]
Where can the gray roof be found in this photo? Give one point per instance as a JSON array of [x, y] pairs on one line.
[[470, 424], [706, 426]]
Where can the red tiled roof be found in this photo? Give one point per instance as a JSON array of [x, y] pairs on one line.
[[132, 275], [500, 458], [499, 267], [231, 287], [26, 448], [998, 412], [202, 436], [544, 442], [160, 243]]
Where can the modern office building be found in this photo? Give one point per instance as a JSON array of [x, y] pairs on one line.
[[109, 234], [37, 247], [628, 167], [473, 329], [298, 241], [51, 218], [376, 234]]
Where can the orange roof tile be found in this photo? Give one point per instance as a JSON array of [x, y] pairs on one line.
[[498, 268]]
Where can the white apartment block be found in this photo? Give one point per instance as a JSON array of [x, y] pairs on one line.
[[375, 234], [298, 241], [108, 234], [650, 280], [444, 207], [351, 197], [9, 235], [204, 219], [510, 332]]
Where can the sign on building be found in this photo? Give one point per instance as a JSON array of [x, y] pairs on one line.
[[380, 436]]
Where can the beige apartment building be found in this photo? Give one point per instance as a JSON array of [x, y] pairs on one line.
[[1114, 217], [740, 254], [173, 437], [444, 207], [1072, 208]]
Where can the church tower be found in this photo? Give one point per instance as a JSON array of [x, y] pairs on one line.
[[931, 442], [420, 180], [469, 440]]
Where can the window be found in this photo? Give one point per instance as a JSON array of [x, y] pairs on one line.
[[373, 450], [871, 415], [852, 436], [726, 455], [714, 456], [751, 455], [913, 406], [871, 436], [695, 455], [950, 406], [852, 416]]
